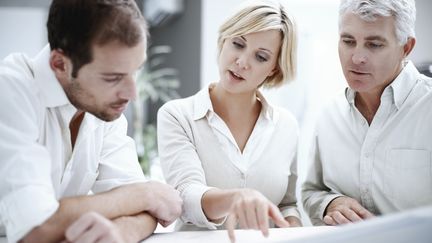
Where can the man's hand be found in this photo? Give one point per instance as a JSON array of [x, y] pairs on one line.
[[93, 227], [343, 210], [252, 211], [165, 203]]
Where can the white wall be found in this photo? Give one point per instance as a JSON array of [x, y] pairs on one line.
[[423, 50], [22, 30]]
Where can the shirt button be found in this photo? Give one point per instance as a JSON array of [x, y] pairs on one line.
[[367, 155]]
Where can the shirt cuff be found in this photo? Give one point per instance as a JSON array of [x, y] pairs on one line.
[[192, 208], [290, 211], [325, 202], [24, 209]]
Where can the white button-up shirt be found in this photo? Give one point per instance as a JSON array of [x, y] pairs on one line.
[[386, 166], [198, 152], [37, 164]]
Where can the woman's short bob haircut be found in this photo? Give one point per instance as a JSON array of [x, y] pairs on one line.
[[263, 15]]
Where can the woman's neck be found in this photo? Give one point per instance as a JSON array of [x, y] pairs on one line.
[[227, 104]]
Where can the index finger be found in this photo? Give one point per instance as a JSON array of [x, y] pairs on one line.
[[229, 225], [277, 217], [263, 219]]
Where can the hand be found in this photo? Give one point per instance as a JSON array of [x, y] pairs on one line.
[[93, 227], [252, 211], [344, 210], [165, 202]]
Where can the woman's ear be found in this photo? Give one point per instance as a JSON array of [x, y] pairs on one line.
[[273, 72]]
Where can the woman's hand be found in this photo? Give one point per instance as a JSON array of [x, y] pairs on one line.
[[251, 210]]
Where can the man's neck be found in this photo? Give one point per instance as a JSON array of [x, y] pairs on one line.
[[75, 125], [368, 104]]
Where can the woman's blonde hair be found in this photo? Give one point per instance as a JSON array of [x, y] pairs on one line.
[[263, 15]]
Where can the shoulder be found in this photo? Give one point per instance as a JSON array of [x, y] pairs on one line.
[[17, 81], [178, 107], [332, 113], [16, 71], [285, 117]]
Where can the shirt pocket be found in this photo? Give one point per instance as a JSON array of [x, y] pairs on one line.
[[408, 177]]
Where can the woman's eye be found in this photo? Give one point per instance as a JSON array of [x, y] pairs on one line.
[[261, 58], [238, 45]]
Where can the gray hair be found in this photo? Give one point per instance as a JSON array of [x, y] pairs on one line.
[[403, 11]]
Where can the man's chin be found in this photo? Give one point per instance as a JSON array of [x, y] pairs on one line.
[[108, 117]]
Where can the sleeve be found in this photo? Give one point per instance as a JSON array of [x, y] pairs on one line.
[[181, 164], [315, 194], [288, 205], [119, 162], [27, 196]]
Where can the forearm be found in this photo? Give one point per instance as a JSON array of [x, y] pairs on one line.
[[216, 203], [136, 228], [115, 203]]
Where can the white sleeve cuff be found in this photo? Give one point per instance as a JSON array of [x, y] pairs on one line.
[[290, 211], [24, 209], [192, 208]]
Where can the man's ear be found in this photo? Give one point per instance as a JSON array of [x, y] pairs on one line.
[[409, 46], [61, 65]]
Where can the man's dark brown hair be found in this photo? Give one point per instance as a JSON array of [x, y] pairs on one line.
[[74, 26]]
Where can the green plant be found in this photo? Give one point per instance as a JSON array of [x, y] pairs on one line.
[[154, 83]]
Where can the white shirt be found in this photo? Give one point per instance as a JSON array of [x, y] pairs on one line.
[[38, 166], [386, 166], [260, 137], [196, 152]]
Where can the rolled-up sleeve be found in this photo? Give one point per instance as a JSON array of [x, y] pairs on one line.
[[315, 194], [288, 205], [181, 164], [119, 162], [27, 197]]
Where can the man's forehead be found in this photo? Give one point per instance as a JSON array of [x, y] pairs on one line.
[[353, 26], [371, 37]]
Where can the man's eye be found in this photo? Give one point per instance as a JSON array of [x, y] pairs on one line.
[[375, 45], [113, 79], [348, 42]]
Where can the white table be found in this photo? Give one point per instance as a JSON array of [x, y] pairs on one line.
[[413, 226], [249, 236]]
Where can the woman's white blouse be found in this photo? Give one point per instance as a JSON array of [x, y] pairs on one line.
[[198, 152]]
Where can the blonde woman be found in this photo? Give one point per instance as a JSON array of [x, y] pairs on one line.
[[230, 153]]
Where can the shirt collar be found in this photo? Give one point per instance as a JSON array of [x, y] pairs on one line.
[[203, 105], [52, 92], [202, 102], [400, 87], [404, 83]]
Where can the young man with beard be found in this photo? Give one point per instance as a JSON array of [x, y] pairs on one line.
[[63, 133]]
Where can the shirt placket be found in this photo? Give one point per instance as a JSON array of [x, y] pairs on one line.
[[367, 156]]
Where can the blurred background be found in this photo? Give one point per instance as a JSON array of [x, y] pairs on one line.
[[182, 58]]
